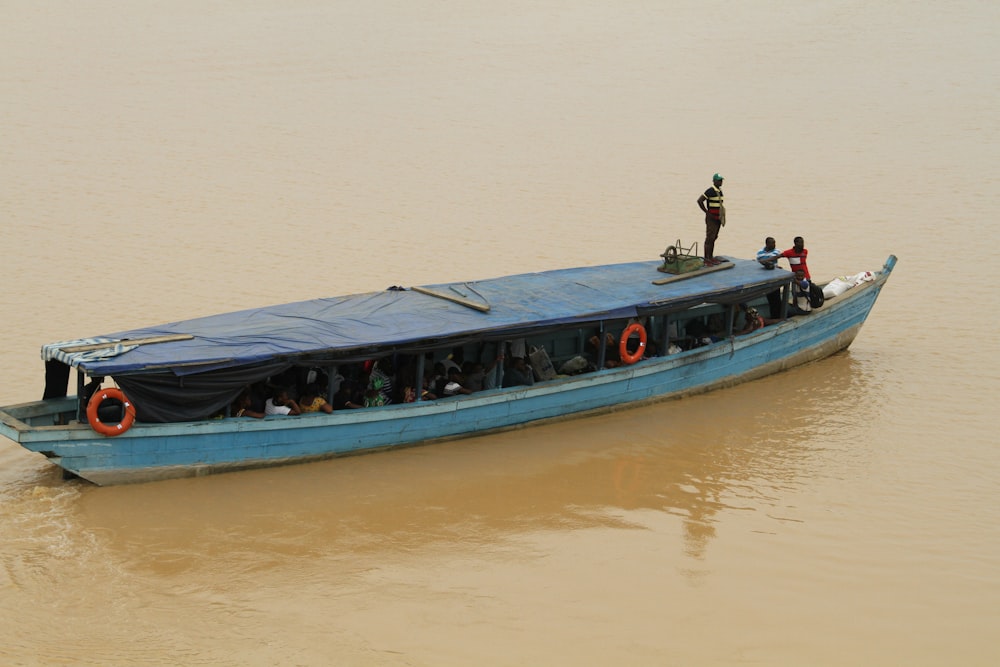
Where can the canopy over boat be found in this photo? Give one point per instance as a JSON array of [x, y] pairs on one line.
[[187, 370], [359, 326]]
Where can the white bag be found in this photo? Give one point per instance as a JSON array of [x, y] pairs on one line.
[[836, 287], [863, 277], [841, 284], [541, 364]]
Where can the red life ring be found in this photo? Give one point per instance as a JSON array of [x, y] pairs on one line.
[[632, 357], [110, 429]]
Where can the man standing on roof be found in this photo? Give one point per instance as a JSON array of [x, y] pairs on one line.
[[710, 202]]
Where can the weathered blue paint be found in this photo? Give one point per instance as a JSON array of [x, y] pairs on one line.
[[160, 451]]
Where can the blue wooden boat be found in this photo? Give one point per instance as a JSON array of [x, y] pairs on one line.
[[180, 379]]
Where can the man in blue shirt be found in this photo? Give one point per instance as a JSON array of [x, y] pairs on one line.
[[769, 254], [768, 258]]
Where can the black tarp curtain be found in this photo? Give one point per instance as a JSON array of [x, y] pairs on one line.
[[165, 397]]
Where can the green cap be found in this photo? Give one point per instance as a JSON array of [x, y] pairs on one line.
[[717, 177]]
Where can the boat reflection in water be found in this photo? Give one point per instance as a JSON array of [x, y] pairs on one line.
[[505, 495]]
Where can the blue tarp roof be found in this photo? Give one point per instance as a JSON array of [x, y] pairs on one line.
[[360, 323]]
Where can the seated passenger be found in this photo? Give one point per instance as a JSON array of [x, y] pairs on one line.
[[454, 385], [436, 379], [311, 401], [259, 393], [518, 373], [243, 407], [281, 404], [473, 374], [344, 398], [612, 358], [481, 376], [380, 382], [427, 390], [374, 398], [697, 333], [449, 363], [801, 292], [752, 320], [490, 380]]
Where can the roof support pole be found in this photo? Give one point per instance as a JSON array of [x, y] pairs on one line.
[[602, 346], [418, 381], [81, 409]]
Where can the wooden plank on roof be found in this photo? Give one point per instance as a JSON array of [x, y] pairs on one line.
[[483, 308], [691, 274], [72, 349]]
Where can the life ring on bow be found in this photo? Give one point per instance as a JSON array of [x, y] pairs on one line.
[[109, 429], [670, 255], [632, 357]]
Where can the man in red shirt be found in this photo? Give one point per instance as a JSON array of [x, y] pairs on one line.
[[796, 256]]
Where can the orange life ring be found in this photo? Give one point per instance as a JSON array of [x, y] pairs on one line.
[[110, 429], [632, 357]]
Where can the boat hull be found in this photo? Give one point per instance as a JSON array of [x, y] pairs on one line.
[[150, 452]]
